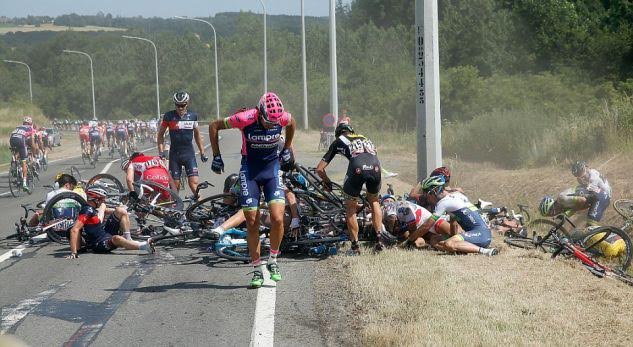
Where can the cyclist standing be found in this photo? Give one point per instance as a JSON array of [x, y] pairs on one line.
[[183, 128], [22, 138], [363, 169], [261, 128]]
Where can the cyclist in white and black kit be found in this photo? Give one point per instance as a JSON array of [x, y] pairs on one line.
[[363, 168]]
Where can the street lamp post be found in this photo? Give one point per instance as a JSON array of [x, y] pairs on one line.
[[215, 48], [303, 65], [92, 79], [265, 54], [156, 65], [29, 69]]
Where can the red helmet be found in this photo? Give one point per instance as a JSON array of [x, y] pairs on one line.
[[442, 171], [270, 108]]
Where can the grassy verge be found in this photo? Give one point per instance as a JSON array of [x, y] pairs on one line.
[[13, 114], [517, 298], [5, 154]]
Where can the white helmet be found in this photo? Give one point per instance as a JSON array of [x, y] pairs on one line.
[[181, 97], [27, 120]]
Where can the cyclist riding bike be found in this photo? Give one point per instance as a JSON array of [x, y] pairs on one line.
[[99, 226], [471, 233], [84, 138], [131, 131], [95, 139], [20, 139], [363, 169], [183, 128], [261, 128], [121, 136], [110, 133]]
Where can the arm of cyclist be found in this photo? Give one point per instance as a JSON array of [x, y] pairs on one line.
[[290, 132], [160, 138], [199, 143], [217, 165], [320, 170], [75, 239]]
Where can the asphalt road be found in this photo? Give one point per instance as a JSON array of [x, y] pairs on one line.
[[181, 296]]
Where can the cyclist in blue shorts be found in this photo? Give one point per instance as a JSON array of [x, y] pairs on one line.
[[183, 128], [472, 234], [261, 128]]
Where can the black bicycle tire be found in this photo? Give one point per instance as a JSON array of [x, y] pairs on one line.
[[621, 210], [115, 180], [14, 185], [614, 230], [74, 171], [47, 216], [190, 211], [525, 243], [545, 222]]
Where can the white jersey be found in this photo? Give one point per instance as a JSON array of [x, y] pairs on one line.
[[152, 124], [596, 180], [408, 214]]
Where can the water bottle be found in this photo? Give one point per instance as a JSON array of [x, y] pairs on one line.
[[318, 250]]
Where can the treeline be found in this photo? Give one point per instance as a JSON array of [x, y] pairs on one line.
[[534, 65]]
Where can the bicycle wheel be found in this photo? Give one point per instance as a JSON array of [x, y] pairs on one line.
[[71, 203], [111, 185], [160, 195], [547, 246], [210, 209], [609, 245], [541, 227], [15, 184], [74, 171], [624, 207]]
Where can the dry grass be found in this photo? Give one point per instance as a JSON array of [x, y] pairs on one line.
[[52, 27], [516, 298]]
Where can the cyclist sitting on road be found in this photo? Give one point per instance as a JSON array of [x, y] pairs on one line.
[[21, 139], [261, 128], [183, 128], [147, 168], [471, 234], [363, 169], [99, 226], [63, 183]]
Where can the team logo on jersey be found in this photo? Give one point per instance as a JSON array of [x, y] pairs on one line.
[[264, 138], [186, 124]]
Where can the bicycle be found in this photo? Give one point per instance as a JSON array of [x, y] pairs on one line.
[[588, 249], [16, 178], [624, 207]]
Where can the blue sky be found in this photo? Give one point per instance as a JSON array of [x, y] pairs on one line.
[[158, 8]]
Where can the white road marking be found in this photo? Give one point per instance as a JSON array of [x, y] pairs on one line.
[[263, 332], [9, 254], [12, 315]]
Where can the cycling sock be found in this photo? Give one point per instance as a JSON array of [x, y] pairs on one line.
[[143, 246], [273, 256], [487, 251], [258, 265], [127, 235]]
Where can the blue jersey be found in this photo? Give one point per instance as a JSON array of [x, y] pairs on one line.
[[180, 129], [93, 228]]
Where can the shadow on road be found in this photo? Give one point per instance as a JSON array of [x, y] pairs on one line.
[[178, 286]]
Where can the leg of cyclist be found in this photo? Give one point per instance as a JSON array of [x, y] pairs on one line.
[[250, 205], [191, 169], [274, 195]]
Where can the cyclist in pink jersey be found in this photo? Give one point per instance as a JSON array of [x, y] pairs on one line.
[[261, 128]]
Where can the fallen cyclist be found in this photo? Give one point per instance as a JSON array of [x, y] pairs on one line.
[[99, 226], [471, 234]]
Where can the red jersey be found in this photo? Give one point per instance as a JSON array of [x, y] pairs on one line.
[[150, 168], [84, 133]]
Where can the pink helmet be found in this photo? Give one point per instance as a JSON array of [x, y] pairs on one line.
[[270, 108]]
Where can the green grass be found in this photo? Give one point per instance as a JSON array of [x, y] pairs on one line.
[[5, 154]]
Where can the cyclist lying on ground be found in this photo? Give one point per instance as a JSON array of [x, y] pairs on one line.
[[99, 226], [471, 234], [411, 222], [63, 183], [148, 168]]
